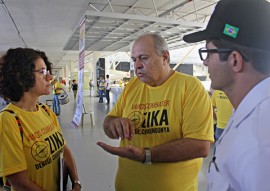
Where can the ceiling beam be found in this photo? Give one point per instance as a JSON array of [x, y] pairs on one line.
[[144, 18], [173, 8]]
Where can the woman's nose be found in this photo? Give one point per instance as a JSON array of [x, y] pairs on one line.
[[49, 76]]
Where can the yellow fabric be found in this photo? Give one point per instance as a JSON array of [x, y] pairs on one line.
[[5, 183], [55, 86], [120, 83], [223, 108], [101, 85], [179, 108], [39, 153]]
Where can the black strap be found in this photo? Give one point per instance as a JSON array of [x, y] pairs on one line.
[[44, 107], [18, 120], [7, 184]]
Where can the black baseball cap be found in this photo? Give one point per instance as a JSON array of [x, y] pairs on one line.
[[244, 22]]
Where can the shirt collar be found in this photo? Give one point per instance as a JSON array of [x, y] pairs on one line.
[[255, 96]]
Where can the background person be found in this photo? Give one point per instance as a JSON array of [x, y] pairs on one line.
[[222, 108], [91, 84], [120, 83], [57, 89], [238, 60], [101, 88], [29, 159], [63, 81], [158, 120], [74, 88], [108, 88], [69, 85]]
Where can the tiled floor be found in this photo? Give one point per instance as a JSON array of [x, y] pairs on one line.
[[96, 167]]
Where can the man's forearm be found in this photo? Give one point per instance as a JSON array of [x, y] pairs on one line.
[[180, 150]]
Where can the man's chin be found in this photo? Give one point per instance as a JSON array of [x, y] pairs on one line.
[[140, 75], [215, 87], [143, 80]]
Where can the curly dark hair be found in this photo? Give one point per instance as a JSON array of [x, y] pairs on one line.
[[17, 71]]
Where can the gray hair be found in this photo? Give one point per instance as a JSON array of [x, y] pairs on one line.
[[159, 43]]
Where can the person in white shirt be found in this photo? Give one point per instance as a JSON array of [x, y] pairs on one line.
[[237, 54], [108, 89]]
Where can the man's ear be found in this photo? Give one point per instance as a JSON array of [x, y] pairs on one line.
[[166, 55], [236, 61]]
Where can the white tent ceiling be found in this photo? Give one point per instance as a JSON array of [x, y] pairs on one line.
[[111, 25]]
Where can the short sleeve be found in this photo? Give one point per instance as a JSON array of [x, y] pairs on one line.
[[11, 146], [197, 112]]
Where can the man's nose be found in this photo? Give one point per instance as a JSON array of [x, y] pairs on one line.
[[137, 64], [205, 62]]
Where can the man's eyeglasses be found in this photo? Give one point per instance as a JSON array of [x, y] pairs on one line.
[[204, 52], [43, 71]]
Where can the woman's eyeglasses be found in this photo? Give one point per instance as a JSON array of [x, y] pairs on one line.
[[43, 71]]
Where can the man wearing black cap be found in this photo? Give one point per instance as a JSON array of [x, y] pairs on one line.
[[237, 54]]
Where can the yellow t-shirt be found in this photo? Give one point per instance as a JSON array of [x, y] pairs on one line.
[[101, 85], [179, 108], [57, 85], [38, 153], [223, 108]]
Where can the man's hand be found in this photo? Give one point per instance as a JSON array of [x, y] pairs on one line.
[[130, 152], [116, 127]]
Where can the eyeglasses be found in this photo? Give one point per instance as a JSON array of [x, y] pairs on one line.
[[204, 53], [43, 71]]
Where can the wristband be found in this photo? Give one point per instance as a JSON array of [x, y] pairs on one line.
[[147, 156], [77, 182]]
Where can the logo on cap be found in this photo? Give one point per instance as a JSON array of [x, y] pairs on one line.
[[230, 30]]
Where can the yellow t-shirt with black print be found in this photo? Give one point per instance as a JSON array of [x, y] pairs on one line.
[[223, 106], [38, 153], [55, 86], [179, 108]]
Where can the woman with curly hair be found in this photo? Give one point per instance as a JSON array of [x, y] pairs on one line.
[[31, 138]]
